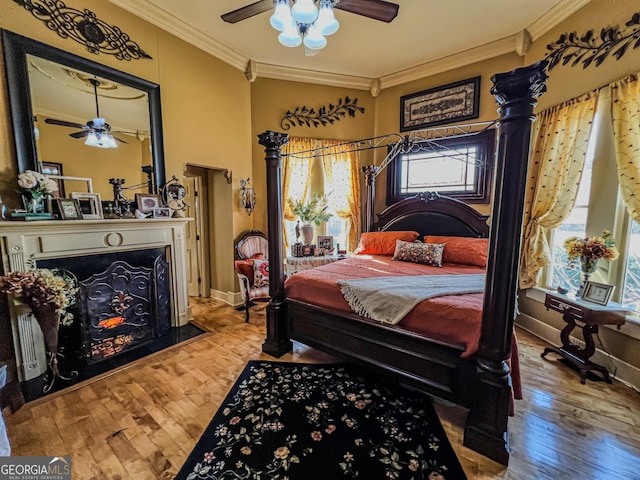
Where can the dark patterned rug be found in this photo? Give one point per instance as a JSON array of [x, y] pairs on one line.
[[305, 422]]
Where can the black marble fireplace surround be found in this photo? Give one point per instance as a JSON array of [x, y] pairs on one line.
[[123, 312]]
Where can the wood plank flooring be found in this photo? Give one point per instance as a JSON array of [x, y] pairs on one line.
[[142, 421]]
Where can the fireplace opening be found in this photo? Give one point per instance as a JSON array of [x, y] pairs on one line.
[[122, 313]]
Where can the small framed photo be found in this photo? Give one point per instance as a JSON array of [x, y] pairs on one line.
[[68, 208], [162, 212], [146, 202], [307, 250], [599, 293], [90, 205], [325, 242]]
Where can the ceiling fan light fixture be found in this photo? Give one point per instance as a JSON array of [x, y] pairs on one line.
[[290, 37], [92, 140], [281, 17], [314, 39], [304, 11], [326, 22]]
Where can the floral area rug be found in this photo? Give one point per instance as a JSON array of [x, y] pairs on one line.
[[305, 422]]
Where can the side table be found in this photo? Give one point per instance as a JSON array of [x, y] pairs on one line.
[[299, 264], [590, 315]]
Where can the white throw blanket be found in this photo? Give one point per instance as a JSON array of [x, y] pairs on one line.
[[389, 299]]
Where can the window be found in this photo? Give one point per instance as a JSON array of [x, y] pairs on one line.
[[631, 289], [457, 167]]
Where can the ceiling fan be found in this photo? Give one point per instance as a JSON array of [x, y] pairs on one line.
[[375, 9], [97, 131]]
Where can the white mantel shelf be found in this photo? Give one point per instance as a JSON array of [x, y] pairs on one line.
[[49, 239]]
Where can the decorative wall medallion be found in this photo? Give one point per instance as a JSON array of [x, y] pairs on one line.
[[85, 28], [303, 116], [573, 49]]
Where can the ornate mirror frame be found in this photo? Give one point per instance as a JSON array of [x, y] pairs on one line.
[[16, 48]]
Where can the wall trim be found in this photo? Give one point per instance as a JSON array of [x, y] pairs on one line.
[[230, 298], [252, 69], [625, 372], [172, 24], [553, 17]]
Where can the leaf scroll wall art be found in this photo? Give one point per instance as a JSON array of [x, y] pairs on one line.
[[573, 49], [303, 116]]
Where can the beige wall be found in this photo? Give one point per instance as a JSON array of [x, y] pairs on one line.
[[206, 105]]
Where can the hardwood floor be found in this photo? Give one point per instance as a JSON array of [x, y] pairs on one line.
[[142, 421]]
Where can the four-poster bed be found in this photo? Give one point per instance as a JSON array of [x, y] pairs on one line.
[[482, 383]]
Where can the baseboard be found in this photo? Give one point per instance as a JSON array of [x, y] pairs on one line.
[[230, 298], [624, 372]]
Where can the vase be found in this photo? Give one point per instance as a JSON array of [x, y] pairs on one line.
[[587, 267], [48, 318], [33, 202], [307, 233]]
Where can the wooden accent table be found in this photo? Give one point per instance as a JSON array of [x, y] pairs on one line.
[[591, 316]]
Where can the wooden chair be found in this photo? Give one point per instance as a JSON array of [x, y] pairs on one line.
[[252, 248]]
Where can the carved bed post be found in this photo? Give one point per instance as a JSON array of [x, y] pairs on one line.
[[277, 342], [370, 172], [516, 93]]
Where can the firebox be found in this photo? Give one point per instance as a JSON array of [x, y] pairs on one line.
[[124, 301]]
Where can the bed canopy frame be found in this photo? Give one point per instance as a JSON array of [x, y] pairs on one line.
[[482, 383]]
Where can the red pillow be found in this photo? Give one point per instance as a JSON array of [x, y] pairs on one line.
[[383, 243], [464, 250], [245, 267]]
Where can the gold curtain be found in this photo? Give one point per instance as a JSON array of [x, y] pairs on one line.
[[625, 96], [343, 182], [296, 175], [561, 136]]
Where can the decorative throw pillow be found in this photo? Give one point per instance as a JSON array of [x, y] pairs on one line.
[[260, 273], [426, 253], [463, 250], [383, 243]]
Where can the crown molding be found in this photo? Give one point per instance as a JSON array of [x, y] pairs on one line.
[[553, 17], [172, 24], [477, 54], [276, 72]]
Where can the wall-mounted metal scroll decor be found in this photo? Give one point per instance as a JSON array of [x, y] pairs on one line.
[[85, 28], [303, 116], [589, 48]]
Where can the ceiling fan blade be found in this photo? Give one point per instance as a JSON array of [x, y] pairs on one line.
[[376, 9], [62, 123], [248, 11], [310, 52], [79, 134], [121, 141]]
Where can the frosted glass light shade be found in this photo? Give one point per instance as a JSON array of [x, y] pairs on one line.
[[281, 17], [327, 23], [92, 140], [290, 37], [314, 39], [304, 11]]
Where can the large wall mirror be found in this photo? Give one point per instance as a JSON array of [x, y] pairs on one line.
[[57, 102]]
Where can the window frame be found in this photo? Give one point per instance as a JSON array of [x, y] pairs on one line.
[[485, 141]]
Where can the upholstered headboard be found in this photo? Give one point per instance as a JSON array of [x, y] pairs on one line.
[[433, 214]]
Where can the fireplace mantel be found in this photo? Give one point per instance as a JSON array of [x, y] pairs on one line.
[[52, 239]]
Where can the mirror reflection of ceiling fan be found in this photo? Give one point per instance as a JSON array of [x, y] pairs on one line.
[[97, 131], [376, 9]]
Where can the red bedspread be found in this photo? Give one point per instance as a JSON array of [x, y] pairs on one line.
[[454, 319]]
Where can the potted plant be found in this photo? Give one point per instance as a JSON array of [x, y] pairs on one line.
[[312, 212]]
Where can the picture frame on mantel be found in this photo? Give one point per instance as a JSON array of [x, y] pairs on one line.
[[453, 102]]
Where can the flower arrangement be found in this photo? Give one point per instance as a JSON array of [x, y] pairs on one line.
[[41, 287], [36, 184], [313, 211], [591, 248]]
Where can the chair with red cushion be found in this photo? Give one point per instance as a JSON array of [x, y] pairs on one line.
[[253, 251]]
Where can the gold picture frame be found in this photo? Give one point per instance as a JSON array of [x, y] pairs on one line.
[[598, 293], [67, 208]]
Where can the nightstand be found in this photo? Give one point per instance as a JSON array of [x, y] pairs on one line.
[[576, 312]]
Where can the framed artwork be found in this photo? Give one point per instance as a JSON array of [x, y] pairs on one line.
[[325, 242], [599, 293], [162, 212], [90, 205], [146, 202], [68, 208], [449, 103], [53, 168]]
